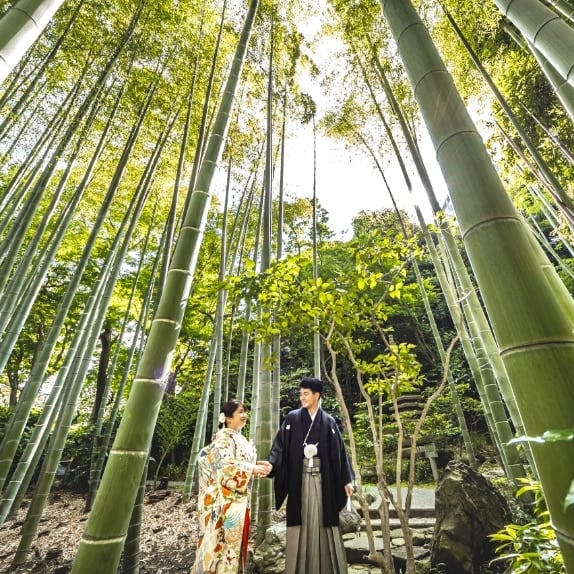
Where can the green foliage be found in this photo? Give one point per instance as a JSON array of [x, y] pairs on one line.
[[76, 457], [366, 454], [363, 441], [398, 368], [5, 414], [554, 436], [363, 272], [479, 22], [175, 471], [174, 424], [365, 221], [423, 471], [530, 547], [441, 422]]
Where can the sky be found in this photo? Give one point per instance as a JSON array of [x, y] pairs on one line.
[[347, 181]]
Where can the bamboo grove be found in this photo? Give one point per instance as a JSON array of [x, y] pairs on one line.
[[154, 263]]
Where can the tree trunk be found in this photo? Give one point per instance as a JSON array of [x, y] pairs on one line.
[[102, 376]]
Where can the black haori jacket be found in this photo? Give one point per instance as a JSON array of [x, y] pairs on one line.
[[286, 456]]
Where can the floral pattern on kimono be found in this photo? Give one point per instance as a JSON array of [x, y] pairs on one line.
[[225, 474]]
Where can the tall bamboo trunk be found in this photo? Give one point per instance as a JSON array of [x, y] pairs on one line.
[[103, 539], [532, 322], [19, 29]]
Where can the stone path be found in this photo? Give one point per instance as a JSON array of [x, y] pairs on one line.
[[423, 498], [421, 522], [269, 555]]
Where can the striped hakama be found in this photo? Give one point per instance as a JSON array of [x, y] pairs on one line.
[[312, 548]]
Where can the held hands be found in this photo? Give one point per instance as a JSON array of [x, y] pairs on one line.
[[262, 468]]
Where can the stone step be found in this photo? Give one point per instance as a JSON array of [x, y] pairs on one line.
[[414, 522], [422, 504], [419, 512], [357, 549]]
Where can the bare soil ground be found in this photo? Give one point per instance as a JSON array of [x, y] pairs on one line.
[[168, 536]]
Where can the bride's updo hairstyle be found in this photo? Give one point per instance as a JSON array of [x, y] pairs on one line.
[[227, 410]]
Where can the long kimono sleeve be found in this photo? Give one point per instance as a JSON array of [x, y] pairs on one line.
[[347, 475], [343, 468], [233, 473], [277, 457]]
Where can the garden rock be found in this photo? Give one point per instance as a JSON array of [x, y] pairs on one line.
[[468, 509], [269, 556], [349, 521]]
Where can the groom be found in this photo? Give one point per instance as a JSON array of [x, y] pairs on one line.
[[312, 471]]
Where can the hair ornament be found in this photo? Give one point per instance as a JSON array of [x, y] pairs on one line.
[[221, 418]]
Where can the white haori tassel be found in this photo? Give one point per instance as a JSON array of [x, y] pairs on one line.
[[310, 451]]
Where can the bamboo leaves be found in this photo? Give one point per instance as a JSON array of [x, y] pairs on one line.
[[535, 339], [102, 543]]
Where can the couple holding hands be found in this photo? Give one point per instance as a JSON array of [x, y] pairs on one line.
[[309, 464]]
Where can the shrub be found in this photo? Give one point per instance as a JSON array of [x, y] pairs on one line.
[[530, 547], [76, 458]]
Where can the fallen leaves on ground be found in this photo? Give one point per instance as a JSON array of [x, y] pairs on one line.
[[167, 542]]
